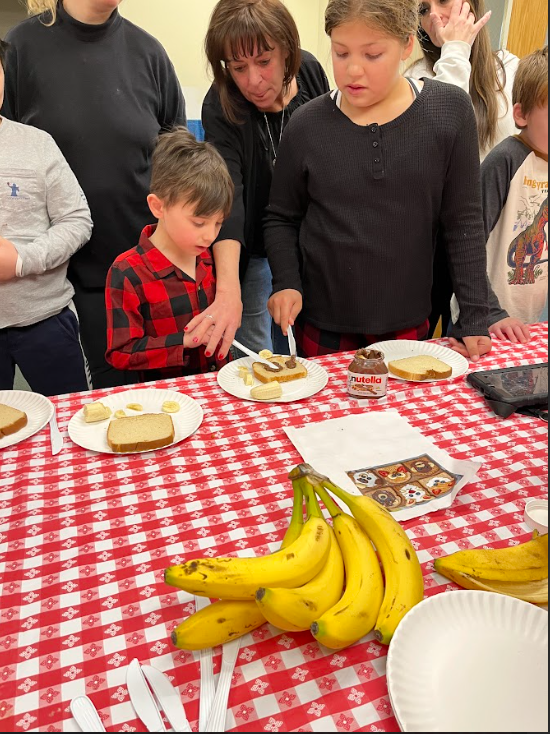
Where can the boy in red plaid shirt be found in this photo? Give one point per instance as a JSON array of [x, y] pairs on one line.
[[154, 290]]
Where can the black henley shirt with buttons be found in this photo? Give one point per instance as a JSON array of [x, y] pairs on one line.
[[355, 211]]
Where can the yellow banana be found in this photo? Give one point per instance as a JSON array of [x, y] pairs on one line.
[[240, 578], [296, 609], [524, 562], [354, 615], [217, 624], [297, 520], [402, 571]]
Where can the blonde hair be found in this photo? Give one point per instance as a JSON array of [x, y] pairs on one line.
[[183, 169], [531, 81], [48, 8], [398, 18], [487, 80], [245, 27]]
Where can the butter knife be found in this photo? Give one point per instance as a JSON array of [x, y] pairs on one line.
[[218, 714], [291, 341], [167, 697], [208, 686], [142, 699], [252, 354]]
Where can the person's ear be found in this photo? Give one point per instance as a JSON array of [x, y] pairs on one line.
[[519, 118], [409, 48], [156, 206]]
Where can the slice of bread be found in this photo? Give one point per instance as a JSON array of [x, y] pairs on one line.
[[286, 374], [140, 433], [11, 420], [420, 368]]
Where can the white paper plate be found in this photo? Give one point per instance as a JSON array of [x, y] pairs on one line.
[[93, 436], [39, 412], [470, 661], [401, 349], [230, 380]]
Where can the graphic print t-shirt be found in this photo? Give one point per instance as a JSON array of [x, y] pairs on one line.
[[515, 197]]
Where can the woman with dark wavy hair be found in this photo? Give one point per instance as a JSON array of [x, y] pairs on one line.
[[261, 77]]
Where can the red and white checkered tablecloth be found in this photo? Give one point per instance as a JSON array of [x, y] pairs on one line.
[[85, 538]]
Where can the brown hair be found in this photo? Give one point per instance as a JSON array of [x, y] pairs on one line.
[[487, 80], [3, 51], [183, 169], [244, 27], [531, 82], [398, 18], [48, 8]]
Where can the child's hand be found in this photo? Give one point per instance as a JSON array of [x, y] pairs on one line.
[[461, 26], [512, 330], [284, 307], [472, 347], [194, 340], [8, 260]]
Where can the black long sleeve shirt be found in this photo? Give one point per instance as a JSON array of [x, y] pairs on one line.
[[354, 214], [104, 92], [247, 150]]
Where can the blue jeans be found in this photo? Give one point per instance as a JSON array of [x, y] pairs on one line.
[[47, 353], [257, 330]]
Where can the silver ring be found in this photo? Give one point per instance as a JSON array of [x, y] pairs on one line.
[[207, 316]]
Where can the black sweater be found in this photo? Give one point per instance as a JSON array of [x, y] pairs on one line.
[[247, 150], [104, 93], [354, 213]]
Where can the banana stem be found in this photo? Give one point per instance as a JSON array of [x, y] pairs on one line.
[[297, 517], [313, 509], [338, 491], [329, 503]]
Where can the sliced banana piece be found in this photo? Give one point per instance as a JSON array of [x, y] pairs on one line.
[[120, 414], [265, 354], [134, 406], [171, 406]]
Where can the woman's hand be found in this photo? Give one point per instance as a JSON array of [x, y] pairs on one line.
[[472, 347], [8, 260], [512, 330], [461, 26], [218, 323], [284, 307]]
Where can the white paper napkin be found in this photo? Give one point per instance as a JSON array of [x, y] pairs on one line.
[[361, 442]]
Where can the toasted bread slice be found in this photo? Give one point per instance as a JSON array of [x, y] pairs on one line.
[[286, 374], [140, 433], [420, 368], [11, 420]]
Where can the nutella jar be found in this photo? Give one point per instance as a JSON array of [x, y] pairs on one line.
[[368, 375]]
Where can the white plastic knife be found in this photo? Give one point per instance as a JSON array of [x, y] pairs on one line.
[[142, 699], [208, 686], [291, 341], [85, 714], [216, 720], [167, 697]]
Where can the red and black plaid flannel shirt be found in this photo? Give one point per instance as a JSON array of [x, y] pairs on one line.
[[149, 303]]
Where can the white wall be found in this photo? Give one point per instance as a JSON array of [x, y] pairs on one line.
[[180, 25]]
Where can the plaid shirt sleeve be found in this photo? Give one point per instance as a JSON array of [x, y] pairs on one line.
[[128, 348]]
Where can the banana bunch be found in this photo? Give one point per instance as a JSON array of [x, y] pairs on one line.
[[297, 609], [520, 571], [403, 586], [327, 580]]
